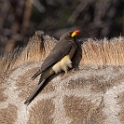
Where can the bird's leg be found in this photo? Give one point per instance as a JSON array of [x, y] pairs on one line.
[[65, 69], [66, 72], [75, 68], [70, 65]]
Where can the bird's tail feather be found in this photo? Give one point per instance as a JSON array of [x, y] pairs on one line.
[[36, 74], [34, 92]]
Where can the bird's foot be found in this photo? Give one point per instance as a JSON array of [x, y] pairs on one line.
[[75, 69]]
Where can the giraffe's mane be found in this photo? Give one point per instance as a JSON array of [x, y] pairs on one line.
[[35, 51], [94, 52], [103, 52]]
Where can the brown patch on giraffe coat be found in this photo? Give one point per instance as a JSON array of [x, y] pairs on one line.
[[82, 111], [8, 115], [120, 102], [99, 80], [105, 79], [78, 83], [2, 96], [41, 113], [3, 78]]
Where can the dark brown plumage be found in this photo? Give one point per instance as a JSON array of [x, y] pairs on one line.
[[58, 60]]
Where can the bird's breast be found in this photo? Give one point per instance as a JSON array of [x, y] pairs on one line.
[[65, 62]]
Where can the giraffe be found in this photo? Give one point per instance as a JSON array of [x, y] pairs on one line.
[[93, 94]]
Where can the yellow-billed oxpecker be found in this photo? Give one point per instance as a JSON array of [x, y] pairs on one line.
[[58, 60]]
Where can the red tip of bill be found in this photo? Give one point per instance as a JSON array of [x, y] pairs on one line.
[[77, 31]]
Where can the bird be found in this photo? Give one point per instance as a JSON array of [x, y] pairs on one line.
[[58, 60]]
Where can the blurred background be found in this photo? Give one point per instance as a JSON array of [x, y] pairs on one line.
[[19, 19]]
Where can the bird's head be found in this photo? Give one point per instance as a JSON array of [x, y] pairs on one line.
[[73, 33], [70, 35]]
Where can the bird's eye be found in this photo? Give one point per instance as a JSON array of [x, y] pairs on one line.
[[68, 34]]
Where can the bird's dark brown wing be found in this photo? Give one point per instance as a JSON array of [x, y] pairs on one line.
[[61, 49]]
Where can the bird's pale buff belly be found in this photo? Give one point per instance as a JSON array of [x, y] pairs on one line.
[[62, 65]]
